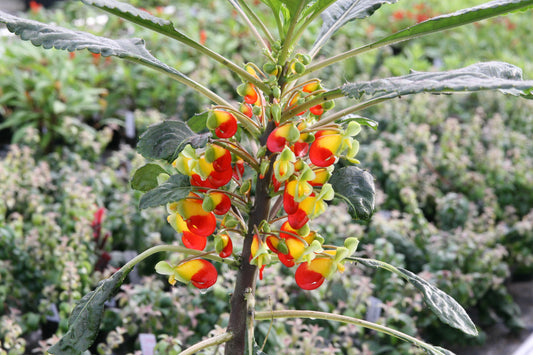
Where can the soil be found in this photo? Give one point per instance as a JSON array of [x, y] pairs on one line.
[[499, 340]]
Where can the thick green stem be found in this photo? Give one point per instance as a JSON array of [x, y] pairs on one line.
[[245, 284], [216, 340], [269, 315]]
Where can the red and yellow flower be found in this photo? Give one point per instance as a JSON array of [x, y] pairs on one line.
[[201, 273]]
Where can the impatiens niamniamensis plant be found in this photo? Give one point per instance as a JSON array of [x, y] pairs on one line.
[[242, 180]]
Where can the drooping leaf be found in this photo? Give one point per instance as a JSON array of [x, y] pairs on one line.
[[84, 321], [481, 76], [165, 140], [341, 12], [442, 304], [177, 187], [356, 187], [51, 36], [198, 122], [145, 178], [455, 19]]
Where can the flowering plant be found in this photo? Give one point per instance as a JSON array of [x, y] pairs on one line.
[[242, 180]]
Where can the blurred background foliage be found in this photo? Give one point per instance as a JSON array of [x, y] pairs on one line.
[[454, 178]]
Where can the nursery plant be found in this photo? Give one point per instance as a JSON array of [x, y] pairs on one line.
[[242, 179]]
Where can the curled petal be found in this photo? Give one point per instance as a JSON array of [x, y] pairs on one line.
[[317, 110], [202, 225], [222, 160], [220, 178], [299, 219], [310, 276], [222, 203], [193, 241]]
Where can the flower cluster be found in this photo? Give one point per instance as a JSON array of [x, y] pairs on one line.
[[296, 162]]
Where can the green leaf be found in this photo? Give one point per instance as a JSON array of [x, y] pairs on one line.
[[342, 12], [356, 187], [459, 18], [84, 321], [442, 304], [176, 188], [139, 17], [481, 76], [50, 36], [165, 140], [198, 122], [145, 178]]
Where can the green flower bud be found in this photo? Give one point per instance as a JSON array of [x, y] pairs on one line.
[[208, 204], [275, 112], [276, 92], [299, 67], [328, 105]]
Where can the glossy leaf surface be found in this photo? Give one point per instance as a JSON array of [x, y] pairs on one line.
[[356, 187]]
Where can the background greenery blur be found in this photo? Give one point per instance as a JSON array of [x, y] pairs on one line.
[[454, 177]]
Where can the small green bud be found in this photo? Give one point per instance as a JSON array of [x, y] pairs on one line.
[[230, 221], [256, 110], [270, 68], [208, 204], [328, 105], [241, 90], [305, 230], [275, 112], [309, 138], [264, 168], [282, 247], [294, 134], [219, 243], [276, 92], [304, 58], [210, 155], [261, 152], [299, 67], [245, 187], [211, 122]]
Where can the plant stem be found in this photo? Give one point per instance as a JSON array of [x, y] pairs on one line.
[[216, 340], [338, 115], [269, 315], [182, 78], [252, 28], [245, 284], [319, 99], [177, 249], [257, 20], [289, 39]]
